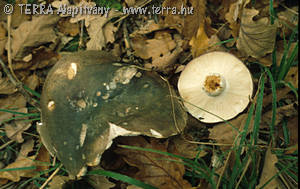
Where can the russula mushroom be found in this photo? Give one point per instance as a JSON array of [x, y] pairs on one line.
[[215, 85], [89, 98]]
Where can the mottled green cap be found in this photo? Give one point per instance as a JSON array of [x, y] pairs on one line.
[[88, 99]]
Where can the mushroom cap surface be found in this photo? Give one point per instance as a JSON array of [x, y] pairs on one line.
[[228, 102], [88, 99]]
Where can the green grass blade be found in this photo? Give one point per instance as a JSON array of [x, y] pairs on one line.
[[33, 92], [274, 104], [121, 177], [272, 12], [19, 169], [258, 110]]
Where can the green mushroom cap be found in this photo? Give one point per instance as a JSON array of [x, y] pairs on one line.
[[89, 98]]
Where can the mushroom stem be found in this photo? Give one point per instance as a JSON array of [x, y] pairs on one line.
[[214, 84]]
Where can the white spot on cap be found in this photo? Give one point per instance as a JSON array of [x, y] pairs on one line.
[[72, 71], [51, 105], [82, 134], [155, 133], [81, 172], [81, 103]]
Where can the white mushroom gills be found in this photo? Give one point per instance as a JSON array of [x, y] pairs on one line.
[[214, 84]]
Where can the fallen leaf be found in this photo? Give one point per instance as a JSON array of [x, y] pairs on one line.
[[269, 170], [6, 87], [31, 34], [281, 93], [14, 101], [163, 50], [58, 181], [281, 112], [199, 42], [185, 148], [256, 38], [17, 17], [232, 17], [15, 129], [147, 28], [154, 169], [101, 31], [99, 181], [43, 159], [225, 134], [21, 162], [67, 28], [188, 24], [43, 57], [292, 76]]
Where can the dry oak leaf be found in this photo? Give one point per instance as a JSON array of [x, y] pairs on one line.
[[232, 18], [163, 50], [15, 129], [31, 34], [256, 38], [66, 27], [269, 170], [101, 31], [21, 162], [188, 24], [15, 101], [6, 87], [154, 169], [223, 133]]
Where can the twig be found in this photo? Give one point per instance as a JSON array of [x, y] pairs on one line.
[[9, 58], [51, 176], [6, 144]]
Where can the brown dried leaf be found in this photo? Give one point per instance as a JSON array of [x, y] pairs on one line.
[[68, 28], [100, 182], [21, 162], [101, 31], [43, 57], [256, 38], [187, 25], [269, 170], [32, 34], [154, 169], [292, 76], [232, 17], [281, 112], [15, 101], [43, 159], [17, 17], [6, 87], [225, 134], [15, 129], [58, 181], [162, 49], [185, 148]]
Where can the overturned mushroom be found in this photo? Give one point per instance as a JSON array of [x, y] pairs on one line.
[[88, 99], [215, 85]]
